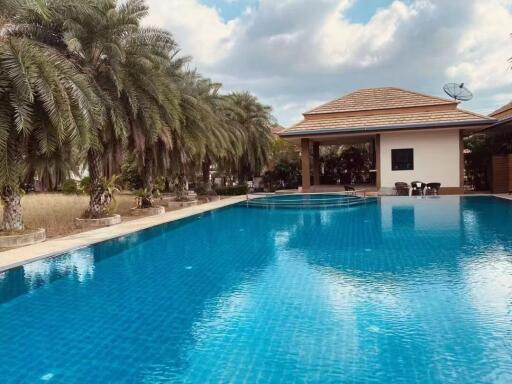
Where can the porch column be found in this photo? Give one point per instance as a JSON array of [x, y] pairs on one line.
[[377, 162], [306, 177], [316, 163]]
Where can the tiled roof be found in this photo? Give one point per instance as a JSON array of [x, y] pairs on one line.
[[450, 117], [379, 98], [499, 111], [276, 129]]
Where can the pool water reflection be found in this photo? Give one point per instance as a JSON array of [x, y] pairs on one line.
[[404, 290]]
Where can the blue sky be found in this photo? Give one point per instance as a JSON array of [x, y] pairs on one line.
[[230, 9], [296, 54], [360, 12]]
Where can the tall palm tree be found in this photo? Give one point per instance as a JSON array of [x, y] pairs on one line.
[[254, 122], [151, 101], [44, 101], [205, 136]]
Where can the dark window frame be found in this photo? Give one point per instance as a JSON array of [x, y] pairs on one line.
[[402, 159]]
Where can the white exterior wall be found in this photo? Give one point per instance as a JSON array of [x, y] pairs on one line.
[[436, 157]]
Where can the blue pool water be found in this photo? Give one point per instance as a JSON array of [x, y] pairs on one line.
[[401, 291]]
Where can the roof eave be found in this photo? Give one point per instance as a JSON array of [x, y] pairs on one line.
[[451, 124], [497, 127]]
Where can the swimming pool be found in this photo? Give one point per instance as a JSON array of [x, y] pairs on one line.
[[405, 290]]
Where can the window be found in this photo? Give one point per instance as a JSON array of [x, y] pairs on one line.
[[402, 159]]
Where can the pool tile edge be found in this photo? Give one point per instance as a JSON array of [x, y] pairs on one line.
[[23, 255]]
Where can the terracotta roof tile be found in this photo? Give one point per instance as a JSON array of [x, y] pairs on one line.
[[499, 111], [389, 120], [379, 98]]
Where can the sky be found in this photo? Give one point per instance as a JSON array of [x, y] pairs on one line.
[[296, 54]]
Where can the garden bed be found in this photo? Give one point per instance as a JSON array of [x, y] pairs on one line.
[[26, 237], [96, 223], [158, 210], [174, 204]]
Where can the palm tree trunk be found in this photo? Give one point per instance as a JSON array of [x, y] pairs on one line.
[[13, 216], [206, 173], [148, 177], [181, 183], [99, 199]]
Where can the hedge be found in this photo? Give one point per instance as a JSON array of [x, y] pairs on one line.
[[232, 191]]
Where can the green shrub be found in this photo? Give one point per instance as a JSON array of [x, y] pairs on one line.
[[232, 191], [160, 184], [145, 198], [70, 187], [201, 189], [85, 184]]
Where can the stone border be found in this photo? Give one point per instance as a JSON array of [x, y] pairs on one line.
[[32, 237], [173, 204], [157, 210], [95, 223], [55, 247]]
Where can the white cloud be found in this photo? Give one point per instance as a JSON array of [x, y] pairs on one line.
[[346, 43], [484, 47], [293, 53], [199, 28]]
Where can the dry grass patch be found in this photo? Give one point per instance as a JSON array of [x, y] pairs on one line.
[[56, 212]]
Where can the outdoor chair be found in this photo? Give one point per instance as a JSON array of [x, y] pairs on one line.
[[418, 188], [433, 189], [349, 188], [402, 189]]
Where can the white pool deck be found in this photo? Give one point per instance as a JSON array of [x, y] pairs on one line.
[[19, 256]]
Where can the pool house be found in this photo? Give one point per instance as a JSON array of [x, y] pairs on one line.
[[411, 136]]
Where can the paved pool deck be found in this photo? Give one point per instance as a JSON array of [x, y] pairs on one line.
[[19, 256]]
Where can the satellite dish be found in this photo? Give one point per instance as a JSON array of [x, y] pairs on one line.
[[458, 91]]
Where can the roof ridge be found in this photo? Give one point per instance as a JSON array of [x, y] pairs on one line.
[[333, 100], [436, 100], [446, 100]]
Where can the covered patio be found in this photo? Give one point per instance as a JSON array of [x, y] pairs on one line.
[[412, 136], [310, 149]]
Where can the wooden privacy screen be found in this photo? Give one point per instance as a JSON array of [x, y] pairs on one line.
[[502, 173]]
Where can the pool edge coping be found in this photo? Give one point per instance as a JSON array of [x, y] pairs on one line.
[[16, 257]]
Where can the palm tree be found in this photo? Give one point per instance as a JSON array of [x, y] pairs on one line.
[[150, 99], [52, 169], [254, 122], [44, 101], [205, 136], [121, 59]]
